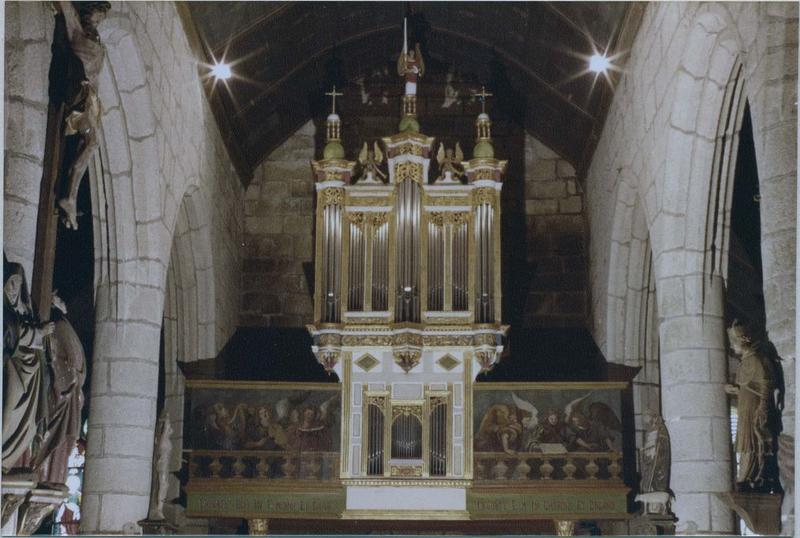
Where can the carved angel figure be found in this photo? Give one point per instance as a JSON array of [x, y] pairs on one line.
[[411, 66], [370, 160], [449, 163]]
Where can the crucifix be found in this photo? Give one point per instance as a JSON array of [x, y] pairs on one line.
[[73, 112], [482, 95], [333, 93]]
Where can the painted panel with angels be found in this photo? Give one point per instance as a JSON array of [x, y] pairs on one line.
[[548, 431], [264, 430]]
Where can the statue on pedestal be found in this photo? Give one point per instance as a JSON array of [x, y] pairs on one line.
[[67, 374], [161, 453], [655, 464], [760, 390], [82, 105], [24, 382]]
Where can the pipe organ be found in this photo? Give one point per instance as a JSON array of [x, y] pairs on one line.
[[407, 304], [407, 312]]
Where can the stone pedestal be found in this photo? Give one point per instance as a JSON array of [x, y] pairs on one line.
[[652, 524], [15, 490], [26, 504], [761, 512], [158, 527]]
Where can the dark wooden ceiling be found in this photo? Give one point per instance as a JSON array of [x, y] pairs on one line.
[[285, 55]]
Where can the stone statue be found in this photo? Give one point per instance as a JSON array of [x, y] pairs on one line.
[[82, 104], [67, 373], [655, 464], [161, 453], [760, 390], [24, 383]]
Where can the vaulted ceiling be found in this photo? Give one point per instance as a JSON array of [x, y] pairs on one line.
[[285, 55]]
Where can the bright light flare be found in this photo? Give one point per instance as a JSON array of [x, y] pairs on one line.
[[599, 63], [221, 71]]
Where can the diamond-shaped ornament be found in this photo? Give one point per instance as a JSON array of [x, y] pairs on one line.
[[448, 362], [367, 362]]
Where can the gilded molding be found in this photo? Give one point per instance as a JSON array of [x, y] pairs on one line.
[[484, 195]]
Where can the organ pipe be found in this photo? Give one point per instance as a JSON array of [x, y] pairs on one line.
[[460, 267], [436, 235], [375, 422], [331, 262], [355, 295], [408, 240], [484, 309], [380, 267]]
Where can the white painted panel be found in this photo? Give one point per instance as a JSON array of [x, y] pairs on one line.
[[376, 386], [407, 391], [411, 498], [356, 429], [458, 393], [438, 386], [356, 394], [355, 460], [457, 426]]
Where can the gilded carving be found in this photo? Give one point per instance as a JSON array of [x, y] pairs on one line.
[[367, 340], [408, 170], [332, 196], [484, 195], [406, 470], [330, 339], [406, 410], [378, 219], [407, 360], [447, 340], [407, 149], [356, 218]]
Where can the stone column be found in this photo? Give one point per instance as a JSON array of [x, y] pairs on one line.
[[122, 414], [695, 406]]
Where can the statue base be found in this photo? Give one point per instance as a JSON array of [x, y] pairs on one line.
[[158, 527], [26, 503], [761, 512]]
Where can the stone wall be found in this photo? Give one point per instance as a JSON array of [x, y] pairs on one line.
[[160, 151], [279, 236], [557, 239], [655, 157]]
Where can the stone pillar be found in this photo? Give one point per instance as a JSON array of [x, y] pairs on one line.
[[122, 414], [695, 406]]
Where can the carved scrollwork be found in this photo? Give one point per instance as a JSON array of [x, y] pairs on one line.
[[484, 195], [378, 219], [328, 359], [407, 360], [408, 170], [332, 196]]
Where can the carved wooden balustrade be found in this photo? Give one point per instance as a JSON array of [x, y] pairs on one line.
[[263, 465], [531, 466]]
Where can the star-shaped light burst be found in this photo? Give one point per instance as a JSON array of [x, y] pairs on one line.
[[598, 63], [221, 71]]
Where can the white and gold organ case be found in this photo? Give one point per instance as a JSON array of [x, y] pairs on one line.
[[407, 311]]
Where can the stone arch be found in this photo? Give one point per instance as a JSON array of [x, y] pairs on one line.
[[689, 218]]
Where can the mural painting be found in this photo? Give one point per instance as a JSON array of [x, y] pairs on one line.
[[547, 431], [268, 430]]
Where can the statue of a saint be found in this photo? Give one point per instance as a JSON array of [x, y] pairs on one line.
[[760, 391], [67, 374], [655, 464], [82, 105], [161, 454], [24, 385]]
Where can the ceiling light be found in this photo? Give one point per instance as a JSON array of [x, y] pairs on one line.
[[221, 71], [599, 63]]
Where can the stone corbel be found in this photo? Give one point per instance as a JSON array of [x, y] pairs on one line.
[[486, 358]]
